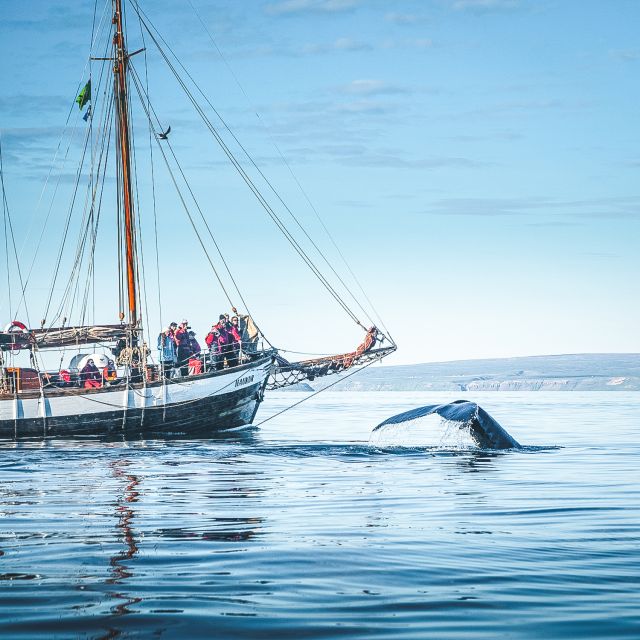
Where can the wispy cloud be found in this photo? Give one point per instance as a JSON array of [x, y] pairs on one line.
[[62, 17], [496, 135], [403, 18], [21, 104], [488, 207], [514, 107], [608, 208], [485, 5], [364, 155], [371, 88], [398, 161], [294, 7], [359, 107], [625, 54], [29, 137], [29, 150], [341, 45]]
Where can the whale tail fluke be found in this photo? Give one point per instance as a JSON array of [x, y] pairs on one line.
[[485, 430]]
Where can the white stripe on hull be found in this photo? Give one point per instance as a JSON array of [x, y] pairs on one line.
[[174, 392]]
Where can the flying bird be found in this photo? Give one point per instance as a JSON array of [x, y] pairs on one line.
[[163, 136]]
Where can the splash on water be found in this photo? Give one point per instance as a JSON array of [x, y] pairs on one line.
[[458, 425], [429, 432]]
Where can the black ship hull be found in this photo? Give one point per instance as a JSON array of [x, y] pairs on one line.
[[212, 403]]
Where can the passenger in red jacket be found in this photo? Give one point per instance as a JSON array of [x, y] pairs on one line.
[[183, 347], [227, 341], [90, 375]]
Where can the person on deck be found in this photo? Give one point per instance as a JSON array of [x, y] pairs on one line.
[[195, 363], [110, 373], [235, 329], [181, 339], [167, 348], [90, 376], [213, 342], [222, 323], [249, 332], [194, 345], [226, 341], [234, 333], [64, 378]]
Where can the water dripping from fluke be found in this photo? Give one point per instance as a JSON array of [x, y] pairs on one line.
[[457, 423]]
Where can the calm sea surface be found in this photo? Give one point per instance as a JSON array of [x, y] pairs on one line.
[[302, 529]]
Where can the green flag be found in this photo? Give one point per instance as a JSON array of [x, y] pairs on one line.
[[84, 96]]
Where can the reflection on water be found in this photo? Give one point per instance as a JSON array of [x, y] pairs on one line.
[[120, 567], [303, 529], [227, 529]]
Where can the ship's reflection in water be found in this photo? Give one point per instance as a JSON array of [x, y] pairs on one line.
[[126, 515], [172, 517]]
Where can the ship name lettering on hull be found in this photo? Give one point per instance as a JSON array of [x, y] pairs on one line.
[[245, 380]]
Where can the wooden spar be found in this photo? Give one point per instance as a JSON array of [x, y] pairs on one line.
[[122, 122]]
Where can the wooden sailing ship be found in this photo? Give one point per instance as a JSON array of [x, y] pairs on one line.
[[141, 401]]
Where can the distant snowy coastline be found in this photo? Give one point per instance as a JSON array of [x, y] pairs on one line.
[[575, 372]]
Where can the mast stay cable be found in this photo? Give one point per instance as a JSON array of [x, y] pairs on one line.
[[8, 223], [289, 168], [153, 181], [247, 179], [139, 89]]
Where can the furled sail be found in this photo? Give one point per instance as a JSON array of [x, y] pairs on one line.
[[58, 337]]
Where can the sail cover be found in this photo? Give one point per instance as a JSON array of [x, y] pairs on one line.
[[69, 336]]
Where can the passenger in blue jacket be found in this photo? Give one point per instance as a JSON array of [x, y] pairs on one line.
[[168, 353]]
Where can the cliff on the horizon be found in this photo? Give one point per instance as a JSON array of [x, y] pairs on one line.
[[576, 372]]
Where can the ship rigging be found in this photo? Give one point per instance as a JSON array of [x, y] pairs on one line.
[[132, 395]]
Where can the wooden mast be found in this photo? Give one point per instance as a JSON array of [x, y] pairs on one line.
[[122, 128]]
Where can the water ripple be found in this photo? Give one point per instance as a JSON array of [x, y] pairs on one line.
[[269, 534]]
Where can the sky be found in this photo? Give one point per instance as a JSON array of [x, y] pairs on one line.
[[475, 161]]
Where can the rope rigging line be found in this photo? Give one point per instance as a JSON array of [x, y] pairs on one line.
[[138, 255], [153, 181], [73, 282], [181, 197], [253, 188], [93, 217], [151, 112], [286, 163], [141, 275], [5, 208], [94, 231], [8, 223], [65, 157], [87, 140], [295, 404], [288, 166], [261, 199]]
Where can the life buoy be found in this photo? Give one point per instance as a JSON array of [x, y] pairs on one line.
[[15, 327]]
